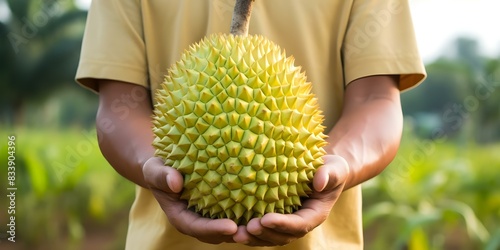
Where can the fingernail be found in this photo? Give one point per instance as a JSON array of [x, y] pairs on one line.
[[169, 183], [272, 226], [257, 233]]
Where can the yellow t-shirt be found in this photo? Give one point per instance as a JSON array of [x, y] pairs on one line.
[[335, 42]]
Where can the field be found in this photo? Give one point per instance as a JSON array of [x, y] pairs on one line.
[[67, 194], [437, 194]]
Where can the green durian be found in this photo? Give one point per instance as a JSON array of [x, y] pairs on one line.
[[239, 121]]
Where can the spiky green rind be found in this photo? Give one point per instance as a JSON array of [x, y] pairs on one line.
[[238, 119]]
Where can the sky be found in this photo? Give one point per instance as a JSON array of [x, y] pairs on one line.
[[439, 22]]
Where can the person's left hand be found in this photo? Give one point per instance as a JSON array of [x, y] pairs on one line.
[[280, 229]]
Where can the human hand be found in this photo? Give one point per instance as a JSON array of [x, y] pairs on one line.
[[166, 184], [281, 229]]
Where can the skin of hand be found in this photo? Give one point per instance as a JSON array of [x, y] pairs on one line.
[[166, 185], [357, 151], [281, 229]]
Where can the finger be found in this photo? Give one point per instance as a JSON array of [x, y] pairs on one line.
[[332, 174], [211, 228], [291, 225], [159, 176], [201, 226], [265, 234], [190, 223], [313, 212], [242, 236]]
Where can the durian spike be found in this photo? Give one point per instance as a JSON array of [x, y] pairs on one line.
[[241, 17]]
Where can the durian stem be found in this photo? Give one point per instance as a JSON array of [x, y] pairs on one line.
[[241, 17]]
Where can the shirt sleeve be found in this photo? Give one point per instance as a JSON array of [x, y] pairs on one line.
[[113, 45], [380, 40]]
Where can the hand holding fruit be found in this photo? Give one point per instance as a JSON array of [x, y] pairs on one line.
[[166, 183], [280, 229]]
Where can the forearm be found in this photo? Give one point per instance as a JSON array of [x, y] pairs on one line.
[[368, 133], [124, 128]]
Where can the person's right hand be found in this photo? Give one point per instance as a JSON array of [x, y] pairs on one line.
[[166, 184]]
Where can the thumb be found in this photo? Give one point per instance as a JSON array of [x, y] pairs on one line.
[[332, 174], [159, 176]]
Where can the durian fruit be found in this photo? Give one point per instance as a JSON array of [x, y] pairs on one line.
[[239, 121]]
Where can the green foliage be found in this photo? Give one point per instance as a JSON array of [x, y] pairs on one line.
[[435, 195], [64, 187]]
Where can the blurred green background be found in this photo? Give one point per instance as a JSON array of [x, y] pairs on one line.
[[441, 192]]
